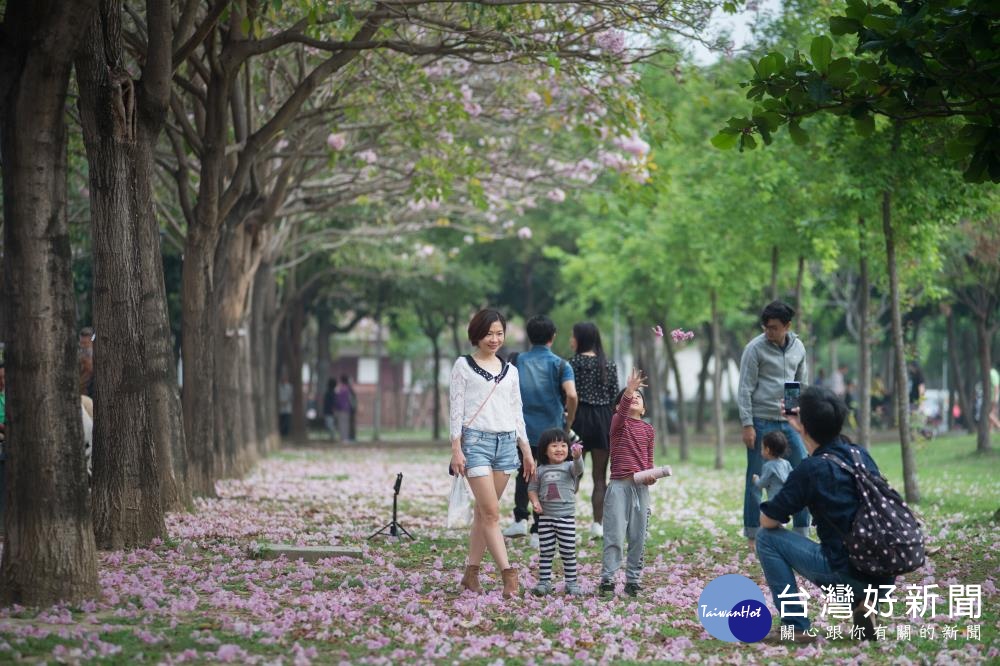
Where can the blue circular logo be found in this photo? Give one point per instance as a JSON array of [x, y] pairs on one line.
[[732, 608]]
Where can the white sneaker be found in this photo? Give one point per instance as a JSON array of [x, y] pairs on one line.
[[516, 529], [596, 531], [534, 540]]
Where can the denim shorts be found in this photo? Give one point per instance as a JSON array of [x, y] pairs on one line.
[[489, 451]]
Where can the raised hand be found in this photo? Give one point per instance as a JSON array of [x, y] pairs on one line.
[[636, 380]]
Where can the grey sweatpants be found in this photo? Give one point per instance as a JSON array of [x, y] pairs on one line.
[[626, 515]]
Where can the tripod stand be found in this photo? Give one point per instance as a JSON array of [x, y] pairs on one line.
[[394, 526]]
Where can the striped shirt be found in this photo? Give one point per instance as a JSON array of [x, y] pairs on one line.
[[631, 442]]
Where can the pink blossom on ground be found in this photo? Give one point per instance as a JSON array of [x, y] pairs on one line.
[[524, 233]]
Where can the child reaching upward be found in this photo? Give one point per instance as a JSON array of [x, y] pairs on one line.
[[776, 469], [552, 494], [626, 503]]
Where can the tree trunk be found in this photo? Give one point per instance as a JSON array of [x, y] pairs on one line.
[[128, 509], [864, 342], [296, 322], [265, 388], [49, 553], [799, 277], [983, 431], [911, 490], [964, 404], [236, 265], [699, 415], [681, 404], [379, 381], [774, 272], [324, 331], [720, 427], [436, 383]]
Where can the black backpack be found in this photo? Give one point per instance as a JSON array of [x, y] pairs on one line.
[[885, 538]]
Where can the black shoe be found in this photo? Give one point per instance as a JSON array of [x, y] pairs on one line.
[[606, 588], [864, 625], [632, 589]]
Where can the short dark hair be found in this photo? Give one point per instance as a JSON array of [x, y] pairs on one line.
[[822, 413], [775, 442], [546, 438], [541, 330], [779, 310], [479, 325], [621, 392], [86, 330]]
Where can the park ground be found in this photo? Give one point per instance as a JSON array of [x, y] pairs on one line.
[[205, 596]]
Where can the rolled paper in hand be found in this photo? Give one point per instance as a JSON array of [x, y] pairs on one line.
[[655, 473], [576, 448]]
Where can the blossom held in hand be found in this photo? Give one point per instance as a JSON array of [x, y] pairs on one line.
[[658, 331], [680, 335]]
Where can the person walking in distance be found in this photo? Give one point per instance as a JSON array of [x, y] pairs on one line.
[[769, 360]]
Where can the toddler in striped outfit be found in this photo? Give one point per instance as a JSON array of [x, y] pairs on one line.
[[626, 502], [552, 493]]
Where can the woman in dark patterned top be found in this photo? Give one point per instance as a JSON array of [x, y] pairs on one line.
[[597, 387]]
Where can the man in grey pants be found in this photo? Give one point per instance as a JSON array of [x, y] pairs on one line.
[[769, 360]]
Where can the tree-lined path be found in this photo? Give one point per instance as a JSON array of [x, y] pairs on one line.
[[204, 596]]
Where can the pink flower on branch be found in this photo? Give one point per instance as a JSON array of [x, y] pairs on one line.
[[524, 233], [336, 141]]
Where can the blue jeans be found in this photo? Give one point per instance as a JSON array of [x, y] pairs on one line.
[[782, 553], [487, 452], [751, 498]]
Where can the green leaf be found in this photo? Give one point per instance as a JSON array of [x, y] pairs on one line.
[[856, 9], [880, 24], [839, 66], [749, 142], [725, 140], [821, 50], [869, 70], [865, 125], [840, 25], [799, 136]]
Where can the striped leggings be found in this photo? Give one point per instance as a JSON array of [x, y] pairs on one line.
[[551, 530]]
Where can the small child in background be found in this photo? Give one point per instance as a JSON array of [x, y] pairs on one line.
[[776, 469], [626, 502], [552, 494]]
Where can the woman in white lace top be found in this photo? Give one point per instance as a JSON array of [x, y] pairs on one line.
[[487, 428]]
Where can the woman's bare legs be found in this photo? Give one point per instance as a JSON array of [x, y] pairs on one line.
[[485, 533], [599, 469]]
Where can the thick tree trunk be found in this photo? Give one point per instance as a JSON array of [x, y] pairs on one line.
[[128, 509], [864, 342], [911, 490], [265, 385], [236, 265], [720, 426], [197, 396], [681, 404], [49, 553], [983, 430]]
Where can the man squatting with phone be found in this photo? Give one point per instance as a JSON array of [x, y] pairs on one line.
[[771, 359]]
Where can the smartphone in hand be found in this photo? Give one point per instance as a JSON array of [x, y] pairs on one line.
[[792, 392]]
